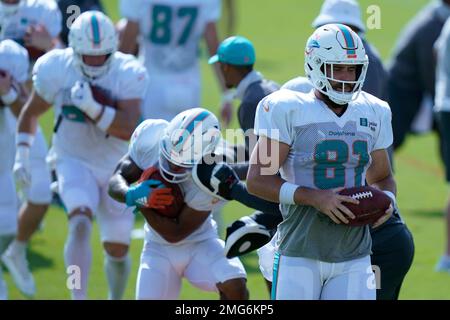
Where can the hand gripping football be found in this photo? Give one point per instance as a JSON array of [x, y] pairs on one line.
[[372, 204], [102, 96], [172, 211], [34, 53]]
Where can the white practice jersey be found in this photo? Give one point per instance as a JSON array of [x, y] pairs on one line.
[[144, 150], [14, 60], [171, 30], [327, 151], [31, 13], [54, 75], [299, 84]]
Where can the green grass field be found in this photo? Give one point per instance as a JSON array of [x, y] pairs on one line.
[[279, 30]]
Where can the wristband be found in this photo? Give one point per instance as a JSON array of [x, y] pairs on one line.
[[24, 139], [107, 118], [287, 192], [10, 97], [391, 195], [228, 96]]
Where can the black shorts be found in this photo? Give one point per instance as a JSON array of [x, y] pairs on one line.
[[392, 252], [443, 123]]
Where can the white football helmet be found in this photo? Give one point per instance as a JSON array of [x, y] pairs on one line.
[[334, 44], [188, 137], [94, 34], [8, 9]]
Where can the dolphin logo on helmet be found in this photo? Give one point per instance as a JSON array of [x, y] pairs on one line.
[[335, 44], [188, 137]]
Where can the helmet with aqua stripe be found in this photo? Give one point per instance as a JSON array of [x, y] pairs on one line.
[[187, 138], [329, 48], [94, 40]]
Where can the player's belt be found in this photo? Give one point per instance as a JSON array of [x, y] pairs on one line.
[[72, 113]]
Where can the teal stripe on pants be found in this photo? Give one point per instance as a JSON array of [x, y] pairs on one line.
[[276, 264]]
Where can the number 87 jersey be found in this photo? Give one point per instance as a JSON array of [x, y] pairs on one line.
[[326, 150], [171, 29]]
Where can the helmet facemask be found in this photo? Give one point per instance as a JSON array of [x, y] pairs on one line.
[[94, 72], [171, 171], [340, 95], [185, 142], [93, 34]]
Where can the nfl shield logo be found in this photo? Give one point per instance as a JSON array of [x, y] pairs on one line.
[[363, 122]]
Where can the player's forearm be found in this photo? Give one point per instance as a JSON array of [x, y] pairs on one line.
[[17, 105], [118, 188], [128, 43], [212, 42], [167, 228], [241, 169], [386, 184], [175, 230], [123, 124], [231, 16], [126, 173], [28, 121], [240, 193], [22, 99], [270, 188], [263, 186], [30, 113]]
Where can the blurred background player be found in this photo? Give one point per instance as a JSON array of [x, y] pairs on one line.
[[13, 76], [230, 14], [36, 24], [69, 11], [187, 246], [90, 137], [171, 32], [442, 109], [411, 71], [236, 57]]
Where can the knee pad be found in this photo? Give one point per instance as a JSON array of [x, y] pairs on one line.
[[80, 226]]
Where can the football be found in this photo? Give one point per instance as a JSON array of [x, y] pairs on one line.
[[172, 211], [372, 204], [34, 53], [102, 96]]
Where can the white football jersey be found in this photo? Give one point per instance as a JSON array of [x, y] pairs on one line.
[[299, 84], [31, 13], [54, 74], [14, 60], [171, 30], [144, 150], [327, 151]]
